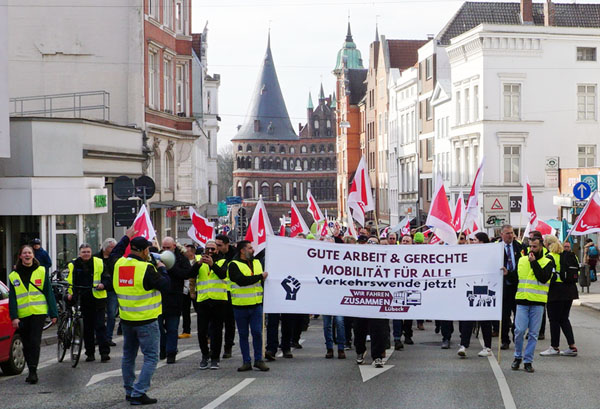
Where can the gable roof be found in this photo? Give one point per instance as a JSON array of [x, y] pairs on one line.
[[404, 54]]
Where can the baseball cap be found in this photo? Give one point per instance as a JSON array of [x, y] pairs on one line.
[[362, 239], [36, 241], [139, 243], [419, 238]]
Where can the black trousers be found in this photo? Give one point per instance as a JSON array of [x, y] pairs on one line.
[[93, 323], [31, 334], [447, 328], [509, 306], [543, 326], [287, 327], [558, 315], [407, 328], [379, 330], [211, 317], [186, 314], [466, 329], [348, 325], [229, 325], [298, 325]]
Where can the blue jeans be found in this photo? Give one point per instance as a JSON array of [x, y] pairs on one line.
[[169, 328], [527, 317], [340, 334], [144, 337], [112, 305], [249, 319], [397, 329]]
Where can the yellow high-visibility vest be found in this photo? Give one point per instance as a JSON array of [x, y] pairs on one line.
[[30, 301], [135, 302], [209, 286], [98, 270], [250, 294], [529, 287]]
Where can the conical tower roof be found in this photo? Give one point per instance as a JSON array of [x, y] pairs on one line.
[[267, 116]]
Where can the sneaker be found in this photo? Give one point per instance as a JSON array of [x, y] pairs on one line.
[[485, 352], [184, 335], [214, 364], [421, 327], [104, 358], [360, 358], [227, 353], [378, 362], [204, 363], [296, 345], [287, 354], [260, 365], [368, 338], [142, 400], [270, 356], [329, 354], [341, 354], [550, 352], [348, 346], [90, 358], [445, 344], [541, 337], [462, 352], [528, 368], [515, 364], [408, 341], [569, 352], [398, 346], [112, 344], [245, 367]]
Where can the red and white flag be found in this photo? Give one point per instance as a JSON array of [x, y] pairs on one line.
[[589, 220], [201, 229], [360, 198], [528, 210], [297, 223], [324, 230], [472, 208], [313, 208], [403, 227], [143, 226], [350, 221], [440, 216], [260, 228], [434, 239], [282, 227], [457, 217]]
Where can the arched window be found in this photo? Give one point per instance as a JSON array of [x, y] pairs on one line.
[[292, 150], [320, 164], [240, 148], [277, 163], [209, 191], [313, 164], [265, 191], [271, 149], [298, 165], [305, 164], [256, 163], [331, 148], [313, 148], [328, 123], [321, 148], [282, 149], [249, 148], [248, 162], [316, 124], [248, 191], [271, 163], [263, 149], [238, 162], [328, 164], [157, 165], [303, 149], [239, 189], [277, 192], [284, 163], [263, 163], [169, 170]]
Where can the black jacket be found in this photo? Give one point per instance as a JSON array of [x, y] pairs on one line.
[[83, 275], [562, 291], [172, 299], [511, 280]]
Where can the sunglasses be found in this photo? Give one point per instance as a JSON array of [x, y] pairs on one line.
[[372, 242], [211, 249]]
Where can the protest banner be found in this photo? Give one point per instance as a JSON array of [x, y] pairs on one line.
[[370, 281]]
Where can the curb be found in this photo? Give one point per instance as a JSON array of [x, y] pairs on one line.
[[593, 306], [50, 338]]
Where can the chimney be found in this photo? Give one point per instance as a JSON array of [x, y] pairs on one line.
[[548, 13], [527, 11]]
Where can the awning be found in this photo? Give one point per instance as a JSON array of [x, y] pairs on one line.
[[169, 204]]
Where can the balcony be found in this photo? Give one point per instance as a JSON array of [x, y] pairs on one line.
[[93, 105]]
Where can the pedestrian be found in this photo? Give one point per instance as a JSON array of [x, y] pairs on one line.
[[247, 277], [138, 285], [41, 255], [535, 272], [466, 327], [591, 258], [186, 304], [112, 304], [512, 253], [227, 252], [172, 300], [88, 281], [30, 300], [328, 322], [562, 292]]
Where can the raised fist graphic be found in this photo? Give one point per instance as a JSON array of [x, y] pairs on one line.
[[291, 287]]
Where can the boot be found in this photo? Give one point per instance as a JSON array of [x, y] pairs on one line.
[[32, 378], [227, 353], [329, 354], [261, 366]]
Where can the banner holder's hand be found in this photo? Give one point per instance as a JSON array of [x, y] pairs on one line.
[[131, 232]]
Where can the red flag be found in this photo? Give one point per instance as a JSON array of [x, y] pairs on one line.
[[259, 228], [201, 229], [324, 230], [282, 227], [360, 198], [440, 216], [313, 208], [457, 218], [472, 209], [143, 226], [589, 220], [434, 239], [297, 223], [528, 208]]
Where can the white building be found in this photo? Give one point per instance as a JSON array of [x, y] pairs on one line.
[[4, 136]]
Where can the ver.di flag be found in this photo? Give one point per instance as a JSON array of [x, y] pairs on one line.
[[201, 229], [589, 220], [528, 209], [143, 226], [259, 228], [360, 198], [471, 215], [440, 216], [313, 208], [297, 223]]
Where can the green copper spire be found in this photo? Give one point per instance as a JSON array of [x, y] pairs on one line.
[[310, 104], [348, 54], [333, 102]]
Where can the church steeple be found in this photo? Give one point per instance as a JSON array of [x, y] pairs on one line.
[[376, 32], [349, 34], [321, 94], [267, 116], [310, 104], [348, 56]]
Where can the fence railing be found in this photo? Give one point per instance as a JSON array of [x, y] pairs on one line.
[[75, 105]]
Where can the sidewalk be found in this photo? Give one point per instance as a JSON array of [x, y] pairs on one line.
[[591, 299]]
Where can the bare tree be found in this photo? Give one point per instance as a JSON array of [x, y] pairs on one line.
[[225, 170]]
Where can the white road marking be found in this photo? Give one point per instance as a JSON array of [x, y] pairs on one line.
[[507, 398], [369, 371], [117, 372], [229, 393], [280, 353]]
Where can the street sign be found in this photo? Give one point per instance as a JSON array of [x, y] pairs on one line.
[[124, 212], [579, 203], [226, 229], [496, 209], [582, 190], [144, 187], [515, 204], [231, 200], [591, 180], [221, 209]]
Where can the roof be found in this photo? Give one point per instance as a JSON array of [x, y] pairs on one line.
[[267, 116], [404, 53], [356, 84], [471, 14], [348, 55]]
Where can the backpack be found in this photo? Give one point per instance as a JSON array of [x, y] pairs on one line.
[[569, 267], [593, 252]]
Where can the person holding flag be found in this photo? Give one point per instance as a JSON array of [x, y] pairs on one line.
[[360, 198]]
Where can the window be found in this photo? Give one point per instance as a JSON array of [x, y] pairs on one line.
[[512, 101], [303, 149], [316, 124], [271, 149], [240, 148], [180, 17], [277, 192], [429, 148], [282, 149], [168, 13], [586, 53], [153, 8], [180, 89], [429, 67], [169, 171], [265, 191], [512, 163], [476, 103], [428, 110], [458, 113], [153, 80], [208, 98], [328, 123], [168, 90], [467, 105], [429, 189], [248, 192], [249, 148], [262, 149], [586, 156], [586, 102]]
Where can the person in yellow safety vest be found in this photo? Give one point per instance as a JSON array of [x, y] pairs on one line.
[[247, 277], [562, 292], [189, 294], [30, 300], [88, 271], [211, 301], [227, 252], [534, 272], [138, 284]]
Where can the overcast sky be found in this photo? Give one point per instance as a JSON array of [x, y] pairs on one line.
[[305, 38]]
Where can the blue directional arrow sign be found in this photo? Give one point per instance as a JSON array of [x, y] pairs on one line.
[[582, 191]]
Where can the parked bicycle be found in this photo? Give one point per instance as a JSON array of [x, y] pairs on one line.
[[70, 328]]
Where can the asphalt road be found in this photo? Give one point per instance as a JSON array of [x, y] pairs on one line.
[[420, 376]]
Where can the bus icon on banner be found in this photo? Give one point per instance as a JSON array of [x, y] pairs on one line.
[[410, 297]]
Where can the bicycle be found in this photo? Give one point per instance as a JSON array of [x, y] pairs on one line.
[[60, 290], [70, 329]]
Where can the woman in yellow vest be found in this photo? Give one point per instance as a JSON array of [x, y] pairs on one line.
[[30, 300], [562, 292]]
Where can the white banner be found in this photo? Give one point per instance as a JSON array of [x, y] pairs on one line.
[[372, 281]]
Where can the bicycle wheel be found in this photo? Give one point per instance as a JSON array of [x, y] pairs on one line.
[[76, 341], [62, 343]]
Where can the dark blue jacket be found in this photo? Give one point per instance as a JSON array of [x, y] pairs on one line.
[[42, 256]]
